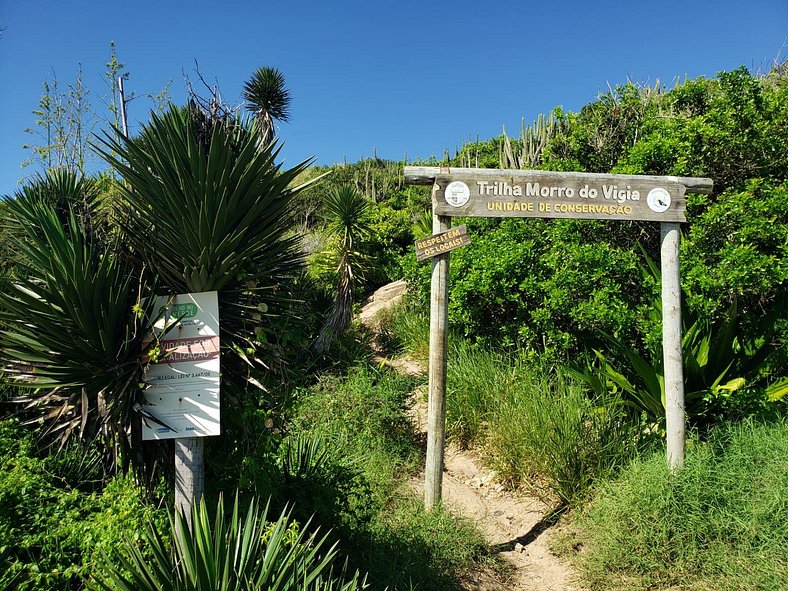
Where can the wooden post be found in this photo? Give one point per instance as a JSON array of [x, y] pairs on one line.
[[123, 122], [436, 414], [671, 345], [189, 474]]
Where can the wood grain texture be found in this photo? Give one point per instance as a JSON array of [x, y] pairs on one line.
[[558, 195], [441, 243], [425, 175], [675, 421], [436, 411]]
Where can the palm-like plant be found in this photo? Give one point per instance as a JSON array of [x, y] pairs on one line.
[[346, 213], [210, 212], [243, 553], [268, 99], [73, 325]]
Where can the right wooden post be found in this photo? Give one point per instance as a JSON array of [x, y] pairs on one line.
[[671, 344]]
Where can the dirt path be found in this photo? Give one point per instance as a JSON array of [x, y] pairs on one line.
[[512, 523]]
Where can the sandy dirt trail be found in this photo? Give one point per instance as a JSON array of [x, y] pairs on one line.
[[511, 522]]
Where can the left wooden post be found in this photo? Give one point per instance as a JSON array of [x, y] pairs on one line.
[[436, 413]]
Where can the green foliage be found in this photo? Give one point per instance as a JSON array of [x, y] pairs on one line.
[[535, 426], [205, 207], [245, 551], [405, 328], [478, 154], [391, 207], [538, 285], [527, 153], [729, 128], [346, 213], [736, 251], [720, 359], [548, 286], [717, 524], [75, 322], [54, 531], [265, 91], [64, 121], [349, 448], [268, 98]]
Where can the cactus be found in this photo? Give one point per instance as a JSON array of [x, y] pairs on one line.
[[527, 153]]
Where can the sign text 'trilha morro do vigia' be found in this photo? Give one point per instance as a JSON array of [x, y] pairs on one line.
[[560, 195]]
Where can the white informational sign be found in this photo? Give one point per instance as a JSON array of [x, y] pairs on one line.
[[182, 394]]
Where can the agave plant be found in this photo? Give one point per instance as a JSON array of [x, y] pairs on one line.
[[346, 212], [718, 360], [244, 552], [73, 325]]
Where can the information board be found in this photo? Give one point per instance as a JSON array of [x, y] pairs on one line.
[[542, 194], [182, 379]]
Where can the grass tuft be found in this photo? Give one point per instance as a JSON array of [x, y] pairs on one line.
[[717, 524]]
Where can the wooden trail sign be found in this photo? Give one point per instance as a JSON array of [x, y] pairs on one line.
[[560, 195], [442, 243], [471, 192]]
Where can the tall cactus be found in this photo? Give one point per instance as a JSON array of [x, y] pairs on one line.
[[527, 153]]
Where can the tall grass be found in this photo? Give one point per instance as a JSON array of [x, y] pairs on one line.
[[538, 429], [720, 523], [347, 460], [477, 381], [549, 434], [405, 328]]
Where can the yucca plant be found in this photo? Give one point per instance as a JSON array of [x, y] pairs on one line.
[[207, 208], [73, 326], [268, 98], [239, 553], [346, 213], [718, 360]]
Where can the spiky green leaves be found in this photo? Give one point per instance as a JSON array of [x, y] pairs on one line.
[[239, 553], [73, 324], [347, 215], [211, 213], [205, 219], [268, 99], [265, 92]]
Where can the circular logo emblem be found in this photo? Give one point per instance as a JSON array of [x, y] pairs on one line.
[[658, 200], [457, 194]]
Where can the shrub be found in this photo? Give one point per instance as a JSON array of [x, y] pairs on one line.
[[345, 461], [242, 552], [54, 530]]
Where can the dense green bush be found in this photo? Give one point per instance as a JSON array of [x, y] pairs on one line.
[[538, 284], [717, 524], [550, 287], [52, 521], [736, 251]]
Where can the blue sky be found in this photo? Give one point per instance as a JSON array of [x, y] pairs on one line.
[[398, 77]]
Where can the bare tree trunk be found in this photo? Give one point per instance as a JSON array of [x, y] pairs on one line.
[[341, 312]]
